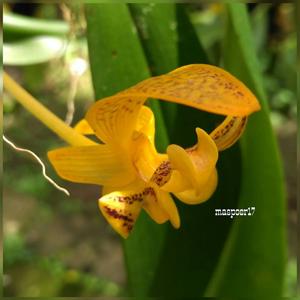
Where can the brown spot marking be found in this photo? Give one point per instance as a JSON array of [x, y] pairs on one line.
[[162, 174], [148, 191], [115, 214], [130, 199], [225, 129], [114, 53]]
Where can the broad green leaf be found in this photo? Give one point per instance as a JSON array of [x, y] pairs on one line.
[[253, 260], [190, 51], [33, 50], [190, 47], [191, 253], [157, 28], [117, 62], [161, 260], [260, 27]]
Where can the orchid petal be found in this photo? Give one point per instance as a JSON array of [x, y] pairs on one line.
[[145, 158], [83, 127], [204, 156], [167, 203], [114, 119], [177, 182], [200, 86], [150, 202], [193, 168], [181, 161], [97, 164], [146, 123], [153, 208], [121, 209], [228, 132], [193, 196]]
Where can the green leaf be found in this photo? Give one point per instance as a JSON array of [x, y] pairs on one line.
[[157, 28], [113, 37], [260, 25], [190, 51], [161, 260], [191, 253], [117, 62], [253, 259], [33, 50], [169, 40]]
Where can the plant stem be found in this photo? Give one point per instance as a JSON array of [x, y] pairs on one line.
[[64, 131]]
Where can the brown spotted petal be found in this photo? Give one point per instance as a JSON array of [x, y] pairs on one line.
[[121, 209], [228, 132], [153, 206], [201, 86]]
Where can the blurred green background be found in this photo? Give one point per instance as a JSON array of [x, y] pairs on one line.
[[59, 246]]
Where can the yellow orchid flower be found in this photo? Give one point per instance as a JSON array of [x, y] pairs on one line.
[[126, 163]]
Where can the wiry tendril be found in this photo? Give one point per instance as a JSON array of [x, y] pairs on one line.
[[39, 161]]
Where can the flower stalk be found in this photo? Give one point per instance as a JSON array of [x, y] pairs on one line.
[[54, 123]]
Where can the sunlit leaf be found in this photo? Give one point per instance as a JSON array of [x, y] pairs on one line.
[[117, 61], [160, 260], [253, 259], [191, 253], [157, 27]]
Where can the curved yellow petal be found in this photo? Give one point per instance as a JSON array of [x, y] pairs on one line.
[[145, 157], [191, 196], [152, 207], [97, 164], [166, 202], [150, 202], [177, 183], [187, 169], [83, 127], [205, 87], [228, 132], [204, 156], [144, 154], [114, 119], [121, 209], [143, 151], [136, 184], [181, 161], [195, 164], [146, 123]]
